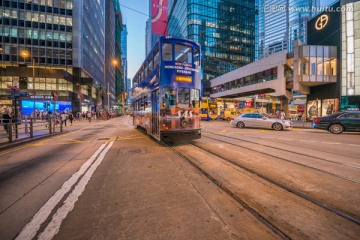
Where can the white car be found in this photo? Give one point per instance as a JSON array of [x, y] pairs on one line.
[[259, 120]]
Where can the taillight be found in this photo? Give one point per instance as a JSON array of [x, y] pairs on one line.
[[317, 120], [232, 118]]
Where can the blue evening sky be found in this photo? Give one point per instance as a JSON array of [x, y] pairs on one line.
[[135, 23]]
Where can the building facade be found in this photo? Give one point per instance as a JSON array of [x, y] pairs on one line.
[[350, 78], [53, 48], [226, 31], [282, 22]]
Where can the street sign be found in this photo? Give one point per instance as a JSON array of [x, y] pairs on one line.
[[18, 94]]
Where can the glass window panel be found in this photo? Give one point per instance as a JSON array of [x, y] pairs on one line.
[[183, 54], [167, 52], [169, 97], [156, 59], [184, 97], [196, 57]]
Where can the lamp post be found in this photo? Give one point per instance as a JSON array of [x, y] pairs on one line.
[[114, 62]]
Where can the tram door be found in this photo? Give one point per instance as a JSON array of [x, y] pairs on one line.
[[155, 112]]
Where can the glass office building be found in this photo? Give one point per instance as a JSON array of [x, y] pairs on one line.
[[50, 46], [225, 29], [281, 22]]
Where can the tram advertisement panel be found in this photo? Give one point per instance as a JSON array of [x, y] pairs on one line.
[[179, 108]]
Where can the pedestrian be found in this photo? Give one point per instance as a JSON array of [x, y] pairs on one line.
[[47, 118], [71, 118], [63, 118], [282, 114], [89, 116], [6, 118]]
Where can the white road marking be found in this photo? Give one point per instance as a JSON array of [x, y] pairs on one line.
[[30, 230], [334, 143], [307, 141], [351, 144], [54, 226]]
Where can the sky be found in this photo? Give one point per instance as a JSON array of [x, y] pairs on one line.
[[135, 23]]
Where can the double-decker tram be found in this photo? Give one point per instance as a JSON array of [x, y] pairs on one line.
[[166, 92]]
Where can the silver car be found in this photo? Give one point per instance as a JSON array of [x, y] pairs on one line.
[[259, 120]]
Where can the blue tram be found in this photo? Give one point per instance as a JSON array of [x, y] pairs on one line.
[[166, 91]]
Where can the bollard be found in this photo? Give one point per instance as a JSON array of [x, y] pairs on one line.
[[50, 126], [10, 132], [31, 128], [26, 125]]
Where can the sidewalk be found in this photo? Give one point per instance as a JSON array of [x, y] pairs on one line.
[[24, 138]]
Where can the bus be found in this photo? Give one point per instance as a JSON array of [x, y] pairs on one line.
[[209, 109], [166, 92]]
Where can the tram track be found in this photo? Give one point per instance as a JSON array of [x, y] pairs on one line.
[[224, 185], [258, 216], [288, 160]]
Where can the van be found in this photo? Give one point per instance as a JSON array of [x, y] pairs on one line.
[[227, 115]]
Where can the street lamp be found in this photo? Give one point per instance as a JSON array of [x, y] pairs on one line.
[[25, 54], [114, 62]]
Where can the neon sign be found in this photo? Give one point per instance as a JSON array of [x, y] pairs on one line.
[[321, 22]]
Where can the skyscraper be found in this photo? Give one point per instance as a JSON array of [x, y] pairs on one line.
[[225, 29], [49, 46], [281, 22]]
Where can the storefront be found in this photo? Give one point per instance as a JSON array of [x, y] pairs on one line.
[[29, 107]]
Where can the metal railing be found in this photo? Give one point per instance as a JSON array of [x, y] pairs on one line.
[[23, 128]]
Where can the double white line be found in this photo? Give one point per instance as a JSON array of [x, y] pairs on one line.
[[85, 173]]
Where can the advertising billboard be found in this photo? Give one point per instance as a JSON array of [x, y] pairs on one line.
[[159, 11]]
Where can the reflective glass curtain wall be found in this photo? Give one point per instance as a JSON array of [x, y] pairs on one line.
[[89, 37], [225, 29], [281, 22], [42, 28]]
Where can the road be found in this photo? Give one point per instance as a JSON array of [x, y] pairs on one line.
[[107, 180]]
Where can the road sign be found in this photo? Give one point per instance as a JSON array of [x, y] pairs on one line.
[[18, 94]]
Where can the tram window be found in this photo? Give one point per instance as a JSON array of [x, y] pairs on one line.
[[195, 98], [196, 57], [156, 59], [145, 103], [169, 97], [167, 52], [184, 97], [183, 54]]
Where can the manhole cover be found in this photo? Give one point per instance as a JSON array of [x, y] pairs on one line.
[[132, 151]]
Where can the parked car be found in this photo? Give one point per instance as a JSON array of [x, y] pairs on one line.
[[227, 115], [339, 122], [259, 120]]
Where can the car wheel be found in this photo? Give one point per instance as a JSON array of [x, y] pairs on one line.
[[240, 125], [277, 126], [336, 128], [228, 119]]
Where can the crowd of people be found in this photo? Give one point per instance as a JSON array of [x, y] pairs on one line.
[[66, 118]]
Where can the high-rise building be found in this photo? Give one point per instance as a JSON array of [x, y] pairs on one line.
[[124, 34], [283, 21], [226, 31], [55, 48], [37, 48], [119, 52]]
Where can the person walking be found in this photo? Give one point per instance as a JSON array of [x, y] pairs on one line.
[[282, 114], [6, 120], [71, 118], [89, 116], [63, 118]]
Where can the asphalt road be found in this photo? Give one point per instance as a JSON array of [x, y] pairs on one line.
[[107, 180]]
